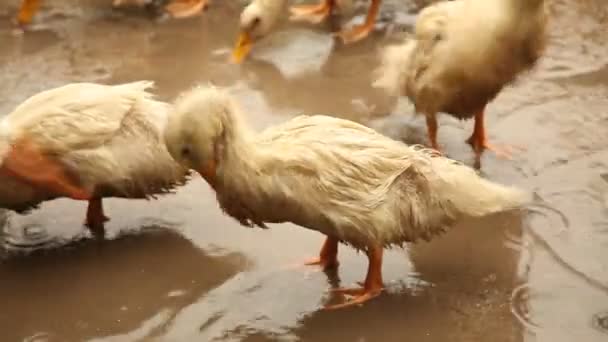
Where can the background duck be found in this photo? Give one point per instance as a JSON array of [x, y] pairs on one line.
[[261, 16], [331, 175], [176, 8], [86, 141], [319, 12], [461, 55], [256, 20]]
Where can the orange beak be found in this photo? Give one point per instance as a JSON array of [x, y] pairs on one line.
[[242, 48]]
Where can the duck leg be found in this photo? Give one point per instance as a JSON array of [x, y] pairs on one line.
[[361, 31], [27, 11], [328, 257], [312, 13], [95, 217], [186, 8], [431, 126], [479, 141], [26, 162], [373, 285]]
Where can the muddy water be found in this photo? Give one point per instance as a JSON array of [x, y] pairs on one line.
[[178, 270]]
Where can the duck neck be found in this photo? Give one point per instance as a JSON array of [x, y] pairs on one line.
[[237, 155], [273, 10], [4, 140]]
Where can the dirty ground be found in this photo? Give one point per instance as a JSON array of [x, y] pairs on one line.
[[176, 269]]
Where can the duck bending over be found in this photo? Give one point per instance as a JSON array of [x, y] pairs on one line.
[[331, 175], [86, 141]]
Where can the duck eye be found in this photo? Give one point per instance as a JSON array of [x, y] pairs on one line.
[[255, 22], [185, 151]]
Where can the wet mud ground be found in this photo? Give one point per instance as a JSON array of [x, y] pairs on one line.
[[177, 269]]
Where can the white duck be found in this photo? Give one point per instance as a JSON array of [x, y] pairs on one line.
[[86, 141], [462, 54], [256, 21], [261, 16], [330, 175]]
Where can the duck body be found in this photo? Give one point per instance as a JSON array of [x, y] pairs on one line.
[[334, 176], [481, 56], [462, 54], [383, 191], [105, 140]]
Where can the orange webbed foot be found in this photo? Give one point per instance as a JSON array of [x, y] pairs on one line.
[[359, 32], [360, 295], [26, 12], [372, 287], [355, 34], [324, 263], [186, 8], [328, 257], [502, 151], [479, 141], [438, 149], [313, 14]]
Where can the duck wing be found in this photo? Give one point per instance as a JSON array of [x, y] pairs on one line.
[[76, 116]]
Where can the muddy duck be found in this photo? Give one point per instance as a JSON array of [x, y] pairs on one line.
[[331, 175], [176, 8], [86, 141], [460, 57], [261, 16]]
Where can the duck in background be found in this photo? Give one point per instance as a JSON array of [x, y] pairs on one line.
[[461, 55], [176, 8], [261, 16], [319, 12], [331, 175], [256, 20], [86, 141]]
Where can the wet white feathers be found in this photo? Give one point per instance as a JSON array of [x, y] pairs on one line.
[[331, 175], [108, 136]]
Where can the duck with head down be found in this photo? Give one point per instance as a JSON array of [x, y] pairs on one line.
[[334, 176], [86, 141], [261, 16], [256, 21]]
